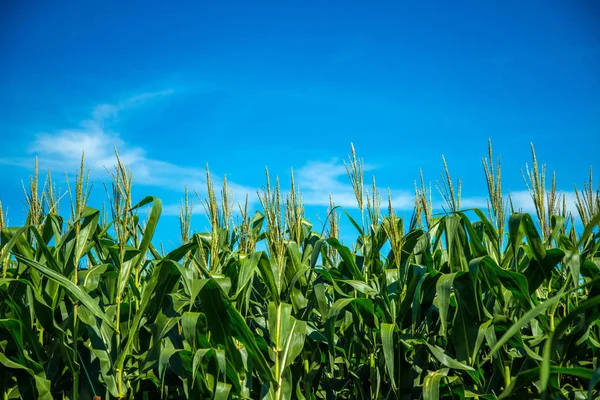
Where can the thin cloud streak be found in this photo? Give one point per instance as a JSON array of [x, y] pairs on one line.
[[318, 180], [61, 150]]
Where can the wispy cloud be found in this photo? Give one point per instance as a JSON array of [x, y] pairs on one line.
[[319, 179], [473, 202], [522, 200], [61, 150], [103, 112]]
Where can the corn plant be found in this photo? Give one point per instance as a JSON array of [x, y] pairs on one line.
[[263, 306]]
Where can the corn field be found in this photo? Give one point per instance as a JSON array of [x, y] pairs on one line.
[[480, 304]]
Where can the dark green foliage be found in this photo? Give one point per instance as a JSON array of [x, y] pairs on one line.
[[91, 308]]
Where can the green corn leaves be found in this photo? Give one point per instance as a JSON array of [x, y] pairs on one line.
[[287, 336], [270, 309]]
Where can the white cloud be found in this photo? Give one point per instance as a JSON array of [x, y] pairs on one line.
[[522, 200], [172, 210], [63, 149], [316, 180], [319, 179], [474, 202], [60, 151]]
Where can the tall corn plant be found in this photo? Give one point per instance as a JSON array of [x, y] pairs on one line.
[[440, 307]]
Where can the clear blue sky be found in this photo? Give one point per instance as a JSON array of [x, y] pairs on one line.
[[244, 85]]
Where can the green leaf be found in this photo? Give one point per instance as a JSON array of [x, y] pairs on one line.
[[443, 288], [522, 224], [515, 282], [75, 291], [86, 230], [126, 269], [552, 342], [387, 341], [161, 282], [526, 319], [448, 361], [347, 257], [431, 384], [225, 322]]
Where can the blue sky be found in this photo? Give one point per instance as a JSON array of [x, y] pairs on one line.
[[244, 85]]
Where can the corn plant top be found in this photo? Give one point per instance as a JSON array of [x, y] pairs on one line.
[[498, 305]]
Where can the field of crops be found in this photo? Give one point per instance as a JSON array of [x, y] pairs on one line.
[[478, 304]]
